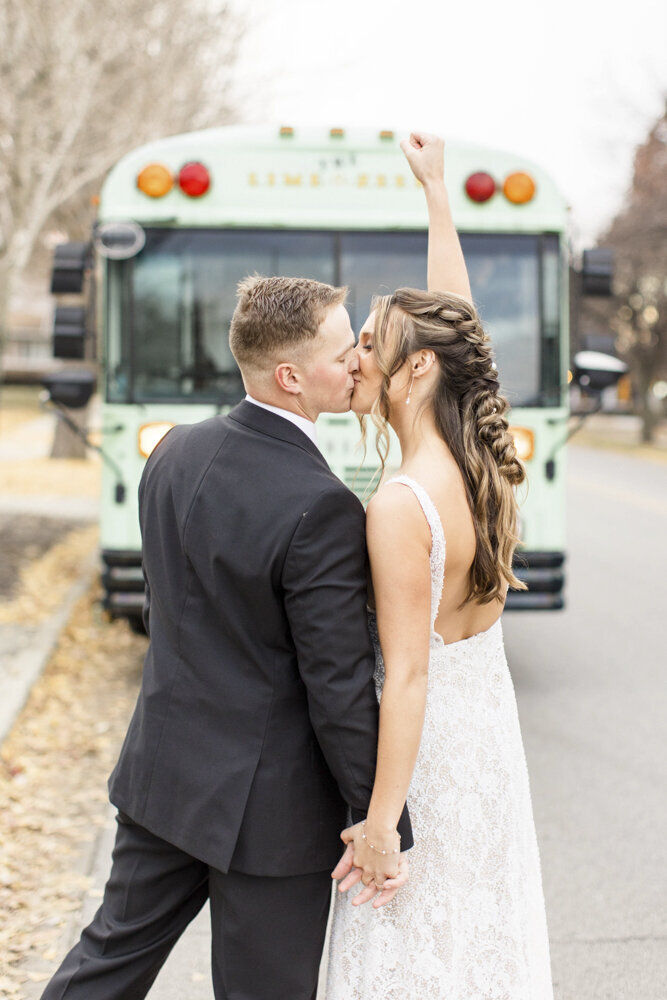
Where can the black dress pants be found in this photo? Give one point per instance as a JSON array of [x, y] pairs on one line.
[[267, 933]]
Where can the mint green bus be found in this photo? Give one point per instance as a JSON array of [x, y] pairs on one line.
[[183, 219]]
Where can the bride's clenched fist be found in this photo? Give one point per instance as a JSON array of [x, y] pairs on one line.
[[426, 155]]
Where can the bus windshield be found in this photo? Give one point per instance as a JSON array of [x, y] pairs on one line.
[[169, 308]]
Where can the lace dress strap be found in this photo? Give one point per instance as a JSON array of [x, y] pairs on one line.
[[437, 558]]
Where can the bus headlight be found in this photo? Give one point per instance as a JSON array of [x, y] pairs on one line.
[[150, 435], [524, 442]]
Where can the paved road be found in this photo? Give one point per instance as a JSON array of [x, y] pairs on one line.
[[592, 697], [592, 689]]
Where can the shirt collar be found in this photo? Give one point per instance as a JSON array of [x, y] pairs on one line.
[[303, 423]]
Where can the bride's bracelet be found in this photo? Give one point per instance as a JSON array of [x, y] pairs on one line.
[[377, 849]]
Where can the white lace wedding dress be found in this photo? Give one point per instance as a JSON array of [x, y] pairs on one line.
[[470, 924]]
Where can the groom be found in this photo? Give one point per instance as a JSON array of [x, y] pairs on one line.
[[256, 724]]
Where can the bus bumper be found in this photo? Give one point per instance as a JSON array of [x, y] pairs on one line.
[[123, 582], [543, 574]]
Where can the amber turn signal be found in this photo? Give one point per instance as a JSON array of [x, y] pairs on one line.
[[519, 188], [155, 180]]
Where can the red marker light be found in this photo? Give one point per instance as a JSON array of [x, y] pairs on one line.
[[480, 187], [194, 180]]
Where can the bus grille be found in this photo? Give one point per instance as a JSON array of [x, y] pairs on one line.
[[361, 481]]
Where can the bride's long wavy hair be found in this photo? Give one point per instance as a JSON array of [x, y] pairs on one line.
[[469, 412]]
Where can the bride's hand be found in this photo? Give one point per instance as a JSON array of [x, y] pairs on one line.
[[426, 155], [383, 873]]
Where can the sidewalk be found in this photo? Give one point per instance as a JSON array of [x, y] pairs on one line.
[[621, 432]]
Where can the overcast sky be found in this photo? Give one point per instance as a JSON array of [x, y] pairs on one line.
[[573, 84]]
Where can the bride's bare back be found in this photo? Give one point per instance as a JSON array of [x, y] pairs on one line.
[[444, 484]]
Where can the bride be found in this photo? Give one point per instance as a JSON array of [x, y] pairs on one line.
[[469, 924]]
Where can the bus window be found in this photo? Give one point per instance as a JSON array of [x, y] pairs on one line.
[[504, 277], [169, 340], [551, 290], [514, 280], [378, 263]]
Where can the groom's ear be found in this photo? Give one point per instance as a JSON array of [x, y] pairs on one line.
[[287, 378]]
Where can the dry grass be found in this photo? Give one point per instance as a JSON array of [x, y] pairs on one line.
[[64, 477], [19, 406], [11, 420]]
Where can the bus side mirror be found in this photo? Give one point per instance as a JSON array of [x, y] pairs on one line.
[[70, 261], [594, 371], [69, 332], [597, 272], [72, 389]]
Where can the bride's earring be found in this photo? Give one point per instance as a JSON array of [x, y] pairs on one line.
[[407, 401]]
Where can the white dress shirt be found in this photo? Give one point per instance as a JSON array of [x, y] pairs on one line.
[[303, 423]]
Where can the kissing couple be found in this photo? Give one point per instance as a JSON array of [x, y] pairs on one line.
[[258, 744]]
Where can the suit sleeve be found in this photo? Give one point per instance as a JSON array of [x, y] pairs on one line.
[[324, 580]]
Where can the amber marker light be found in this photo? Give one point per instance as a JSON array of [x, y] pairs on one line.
[[150, 435], [480, 187], [519, 188], [524, 442], [194, 180], [155, 180]]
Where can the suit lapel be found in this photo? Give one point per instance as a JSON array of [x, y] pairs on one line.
[[275, 426]]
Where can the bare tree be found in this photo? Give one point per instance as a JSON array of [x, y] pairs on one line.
[[82, 83], [638, 234]]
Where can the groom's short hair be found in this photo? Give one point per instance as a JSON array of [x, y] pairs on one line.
[[273, 314]]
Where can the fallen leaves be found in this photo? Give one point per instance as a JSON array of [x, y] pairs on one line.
[[44, 582], [53, 770]]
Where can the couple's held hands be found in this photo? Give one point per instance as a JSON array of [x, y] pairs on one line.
[[377, 863], [426, 155]]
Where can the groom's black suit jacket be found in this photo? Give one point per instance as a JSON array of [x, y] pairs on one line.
[[256, 724]]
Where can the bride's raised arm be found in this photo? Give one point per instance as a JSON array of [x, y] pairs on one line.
[[447, 270]]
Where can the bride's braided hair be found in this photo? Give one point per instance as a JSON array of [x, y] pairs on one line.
[[470, 415]]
